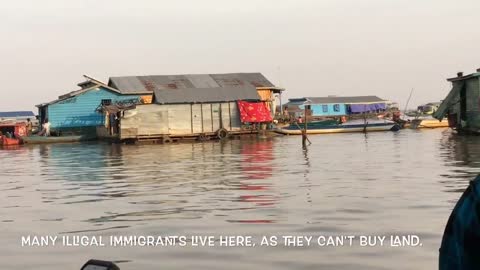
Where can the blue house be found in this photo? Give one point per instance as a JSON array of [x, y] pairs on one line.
[[335, 106], [78, 111]]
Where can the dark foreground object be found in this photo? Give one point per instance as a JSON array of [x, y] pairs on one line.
[[99, 265], [460, 249]]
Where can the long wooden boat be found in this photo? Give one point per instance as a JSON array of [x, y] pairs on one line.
[[326, 127], [56, 139]]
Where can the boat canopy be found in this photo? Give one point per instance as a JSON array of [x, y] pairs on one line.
[[449, 101], [360, 108]]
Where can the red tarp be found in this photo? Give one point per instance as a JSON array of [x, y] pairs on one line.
[[253, 112]]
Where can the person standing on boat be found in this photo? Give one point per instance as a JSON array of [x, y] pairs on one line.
[[46, 129], [29, 127], [46, 126], [300, 120]]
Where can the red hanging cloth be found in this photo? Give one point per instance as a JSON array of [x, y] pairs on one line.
[[252, 112]]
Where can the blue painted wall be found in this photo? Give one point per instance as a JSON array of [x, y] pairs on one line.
[[327, 109], [80, 111]]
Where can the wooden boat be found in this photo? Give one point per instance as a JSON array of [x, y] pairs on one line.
[[9, 141], [332, 126], [16, 129], [428, 123], [56, 139]]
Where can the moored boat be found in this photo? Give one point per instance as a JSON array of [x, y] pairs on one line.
[[331, 126], [427, 123], [11, 133], [9, 141], [56, 139]]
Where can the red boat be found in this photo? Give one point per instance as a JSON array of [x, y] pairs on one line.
[[11, 133]]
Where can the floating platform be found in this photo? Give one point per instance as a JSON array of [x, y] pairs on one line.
[[169, 138]]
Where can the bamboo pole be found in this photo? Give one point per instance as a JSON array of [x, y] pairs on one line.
[[304, 131]]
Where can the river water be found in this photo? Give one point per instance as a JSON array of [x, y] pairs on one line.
[[392, 183]]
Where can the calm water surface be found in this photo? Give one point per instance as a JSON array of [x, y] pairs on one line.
[[382, 183]]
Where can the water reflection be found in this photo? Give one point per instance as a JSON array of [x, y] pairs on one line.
[[463, 150], [256, 159], [145, 175], [462, 155], [340, 184]]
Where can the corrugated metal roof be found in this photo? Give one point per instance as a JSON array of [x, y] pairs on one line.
[[452, 98], [465, 77], [343, 100], [17, 114], [72, 94], [205, 95], [154, 82]]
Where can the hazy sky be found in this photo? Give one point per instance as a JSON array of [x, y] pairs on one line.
[[310, 47]]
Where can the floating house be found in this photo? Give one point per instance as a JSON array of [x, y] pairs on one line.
[[335, 106], [461, 104], [190, 106], [77, 112]]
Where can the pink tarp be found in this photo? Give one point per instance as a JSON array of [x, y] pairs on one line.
[[253, 112]]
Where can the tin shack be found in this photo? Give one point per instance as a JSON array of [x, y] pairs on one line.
[[461, 105], [190, 107]]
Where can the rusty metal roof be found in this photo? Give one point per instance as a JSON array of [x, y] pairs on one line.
[[205, 95], [203, 81]]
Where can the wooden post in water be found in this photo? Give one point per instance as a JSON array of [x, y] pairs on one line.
[[304, 131], [365, 123]]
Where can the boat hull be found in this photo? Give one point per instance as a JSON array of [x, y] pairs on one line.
[[339, 129], [428, 123], [53, 139], [9, 141]]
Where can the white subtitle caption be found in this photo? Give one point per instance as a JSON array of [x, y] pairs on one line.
[[221, 241]]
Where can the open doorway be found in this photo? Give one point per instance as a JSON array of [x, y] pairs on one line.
[[463, 103]]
